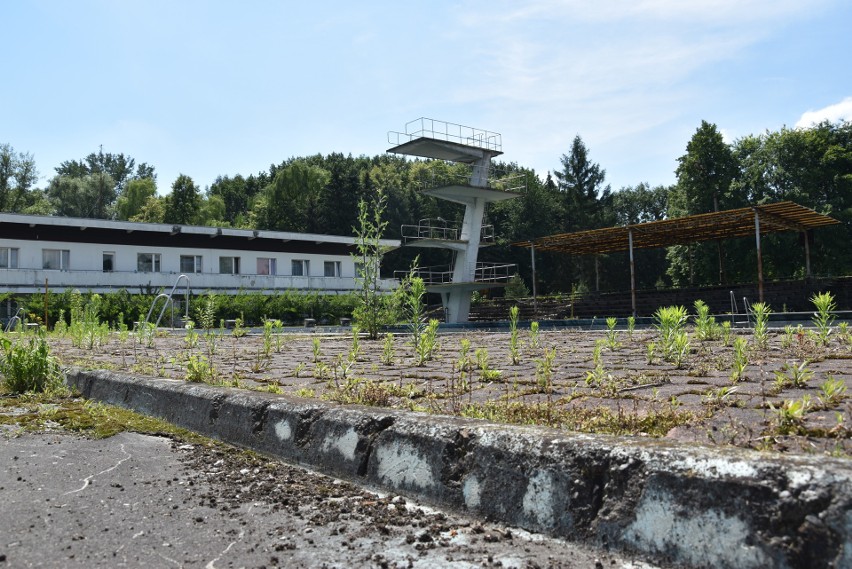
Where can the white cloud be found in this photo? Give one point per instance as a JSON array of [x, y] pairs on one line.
[[832, 113]]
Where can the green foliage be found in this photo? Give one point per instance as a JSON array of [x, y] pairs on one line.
[[740, 361], [796, 375], [760, 311], [516, 288], [823, 318], [790, 416], [86, 330], [388, 350], [372, 310], [199, 369], [183, 203], [705, 325], [28, 366], [669, 322], [612, 334], [832, 392], [544, 368], [535, 341], [427, 343], [17, 176], [514, 342]]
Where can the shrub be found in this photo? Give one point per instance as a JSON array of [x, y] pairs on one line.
[[29, 367]]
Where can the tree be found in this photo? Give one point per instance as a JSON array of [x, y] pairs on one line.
[[812, 167], [237, 194], [99, 167], [585, 205], [581, 183], [81, 197], [134, 197], [121, 168], [154, 211], [183, 204], [704, 176], [705, 172], [289, 203], [17, 176]]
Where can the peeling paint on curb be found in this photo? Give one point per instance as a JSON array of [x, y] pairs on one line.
[[687, 504]]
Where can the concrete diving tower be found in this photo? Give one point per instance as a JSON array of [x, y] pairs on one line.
[[428, 138]]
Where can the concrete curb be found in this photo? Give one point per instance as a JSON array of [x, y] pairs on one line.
[[695, 506]]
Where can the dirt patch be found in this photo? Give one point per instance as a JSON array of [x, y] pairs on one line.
[[788, 395]]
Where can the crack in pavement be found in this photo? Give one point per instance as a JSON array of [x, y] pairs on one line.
[[212, 564], [88, 479]]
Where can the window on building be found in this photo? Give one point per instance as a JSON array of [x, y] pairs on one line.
[[266, 266], [331, 268], [57, 259], [8, 258], [300, 268], [190, 264], [148, 262], [109, 262], [359, 270], [229, 265]]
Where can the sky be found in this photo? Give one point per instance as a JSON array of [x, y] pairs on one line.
[[219, 88]]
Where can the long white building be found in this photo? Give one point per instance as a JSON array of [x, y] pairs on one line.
[[100, 256]]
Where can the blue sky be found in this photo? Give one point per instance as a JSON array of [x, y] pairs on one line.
[[222, 88]]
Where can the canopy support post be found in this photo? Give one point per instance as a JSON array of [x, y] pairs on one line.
[[759, 256], [535, 296], [632, 272], [807, 254]]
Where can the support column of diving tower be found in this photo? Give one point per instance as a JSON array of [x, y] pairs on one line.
[[428, 138]]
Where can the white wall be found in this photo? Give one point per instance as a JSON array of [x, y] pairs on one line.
[[86, 269]]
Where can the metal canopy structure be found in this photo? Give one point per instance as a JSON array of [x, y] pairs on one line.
[[756, 220], [781, 216]]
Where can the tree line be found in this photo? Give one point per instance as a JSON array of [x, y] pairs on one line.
[[321, 194]]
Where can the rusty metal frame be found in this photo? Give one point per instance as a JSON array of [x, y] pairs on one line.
[[755, 220]]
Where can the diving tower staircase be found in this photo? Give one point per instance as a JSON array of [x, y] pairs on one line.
[[428, 138]]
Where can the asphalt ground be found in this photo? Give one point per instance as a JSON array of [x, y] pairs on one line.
[[136, 500]]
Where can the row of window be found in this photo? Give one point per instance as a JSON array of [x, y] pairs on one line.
[[60, 259]]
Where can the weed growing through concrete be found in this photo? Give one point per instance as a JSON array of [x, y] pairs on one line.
[[726, 333], [740, 362], [427, 344], [317, 349], [720, 396], [832, 392], [793, 374], [823, 318], [387, 350], [650, 352], [790, 416], [612, 334], [631, 326], [597, 375], [669, 322], [679, 349], [278, 331], [29, 366], [239, 330], [535, 342], [267, 337], [514, 342], [705, 325], [199, 369], [760, 311]]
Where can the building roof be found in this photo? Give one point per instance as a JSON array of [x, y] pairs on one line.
[[81, 230], [780, 216]]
